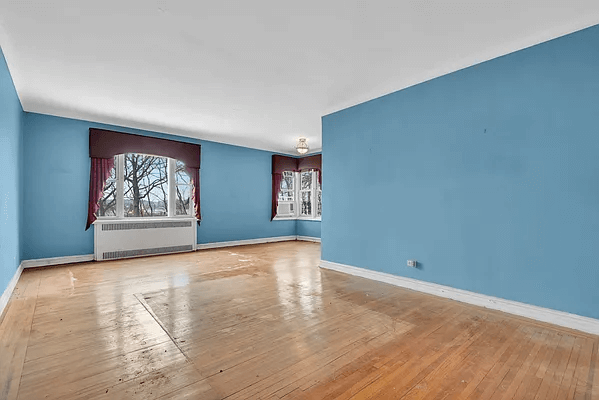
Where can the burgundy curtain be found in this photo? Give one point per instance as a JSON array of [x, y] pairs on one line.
[[276, 185], [104, 145], [195, 181], [279, 165], [99, 173], [311, 162]]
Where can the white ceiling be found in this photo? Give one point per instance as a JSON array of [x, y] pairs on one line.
[[254, 73]]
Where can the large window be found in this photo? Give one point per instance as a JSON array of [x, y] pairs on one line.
[[142, 185], [302, 200], [145, 186]]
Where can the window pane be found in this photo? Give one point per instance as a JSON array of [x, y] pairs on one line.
[[287, 181], [318, 184], [306, 181], [181, 175], [319, 204], [108, 202], [183, 203], [146, 186], [306, 204], [285, 196]]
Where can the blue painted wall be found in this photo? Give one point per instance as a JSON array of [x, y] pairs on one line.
[[488, 176], [236, 201], [235, 184], [308, 228], [11, 145]]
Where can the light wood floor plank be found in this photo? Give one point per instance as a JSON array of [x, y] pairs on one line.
[[14, 336], [264, 322]]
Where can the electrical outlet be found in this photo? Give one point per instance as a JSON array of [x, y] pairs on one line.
[[412, 263]]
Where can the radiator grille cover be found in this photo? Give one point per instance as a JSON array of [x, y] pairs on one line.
[[110, 255], [124, 226]]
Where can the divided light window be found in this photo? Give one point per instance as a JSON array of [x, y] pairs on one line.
[[306, 197], [306, 194], [287, 192], [146, 186], [142, 185]]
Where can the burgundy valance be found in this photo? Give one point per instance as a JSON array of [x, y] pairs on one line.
[[283, 163], [311, 162], [104, 145], [107, 144]]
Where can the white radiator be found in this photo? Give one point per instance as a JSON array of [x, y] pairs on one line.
[[130, 238]]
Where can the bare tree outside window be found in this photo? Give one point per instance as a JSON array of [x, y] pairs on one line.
[[108, 202], [141, 188], [287, 192], [306, 193], [145, 186], [318, 197]]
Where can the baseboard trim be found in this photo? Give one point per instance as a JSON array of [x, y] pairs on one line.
[[561, 318], [308, 238], [9, 289], [204, 246], [45, 262]]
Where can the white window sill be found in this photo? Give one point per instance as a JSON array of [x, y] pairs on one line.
[[284, 218], [107, 220], [318, 219]]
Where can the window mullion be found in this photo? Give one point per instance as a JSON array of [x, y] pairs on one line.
[[120, 185], [172, 187], [297, 193]]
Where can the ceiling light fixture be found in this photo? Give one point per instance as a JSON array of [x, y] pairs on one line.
[[302, 146]]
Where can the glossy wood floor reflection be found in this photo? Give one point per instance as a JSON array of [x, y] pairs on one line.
[[265, 322]]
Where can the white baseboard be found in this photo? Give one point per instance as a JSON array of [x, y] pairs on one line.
[[214, 245], [44, 262], [561, 318], [9, 289], [308, 238]]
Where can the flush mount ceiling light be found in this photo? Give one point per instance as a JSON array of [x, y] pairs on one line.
[[302, 146]]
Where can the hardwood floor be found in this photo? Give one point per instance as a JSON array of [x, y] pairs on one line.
[[264, 321]]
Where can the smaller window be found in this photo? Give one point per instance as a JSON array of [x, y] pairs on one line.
[[318, 196], [287, 192], [306, 194], [303, 200]]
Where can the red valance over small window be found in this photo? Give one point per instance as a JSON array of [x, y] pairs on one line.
[[281, 164], [311, 162], [104, 145]]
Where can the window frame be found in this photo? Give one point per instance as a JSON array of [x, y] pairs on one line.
[[119, 168], [294, 201], [172, 193], [297, 199]]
